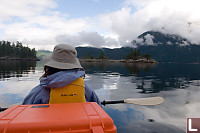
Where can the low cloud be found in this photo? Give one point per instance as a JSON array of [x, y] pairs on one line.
[[149, 39], [36, 22], [179, 17], [87, 39], [22, 9]]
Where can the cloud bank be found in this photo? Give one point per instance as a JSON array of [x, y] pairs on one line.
[[87, 39], [42, 25]]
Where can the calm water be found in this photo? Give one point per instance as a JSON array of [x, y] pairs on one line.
[[178, 84]]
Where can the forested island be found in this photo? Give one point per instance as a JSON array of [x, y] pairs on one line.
[[16, 51], [133, 56]]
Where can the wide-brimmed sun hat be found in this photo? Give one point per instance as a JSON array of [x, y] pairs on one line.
[[64, 56]]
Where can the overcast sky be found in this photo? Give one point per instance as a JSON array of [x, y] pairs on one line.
[[100, 23]]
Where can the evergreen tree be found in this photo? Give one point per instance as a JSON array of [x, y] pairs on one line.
[[8, 49], [101, 56], [132, 55], [89, 56], [147, 56], [137, 55]]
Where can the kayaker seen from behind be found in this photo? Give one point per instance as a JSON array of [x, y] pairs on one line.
[[63, 80]]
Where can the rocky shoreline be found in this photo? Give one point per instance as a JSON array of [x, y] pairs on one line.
[[122, 60], [17, 58], [89, 60]]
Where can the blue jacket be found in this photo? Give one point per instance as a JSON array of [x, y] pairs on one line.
[[40, 94]]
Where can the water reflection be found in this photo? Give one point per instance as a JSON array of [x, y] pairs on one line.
[[135, 121], [178, 84], [149, 78], [124, 69], [15, 68], [17, 78], [136, 69], [165, 77]]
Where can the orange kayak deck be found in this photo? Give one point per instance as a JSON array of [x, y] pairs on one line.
[[56, 118]]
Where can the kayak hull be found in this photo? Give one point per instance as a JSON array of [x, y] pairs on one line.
[[56, 118]]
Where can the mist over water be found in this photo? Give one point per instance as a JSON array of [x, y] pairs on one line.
[[178, 84]]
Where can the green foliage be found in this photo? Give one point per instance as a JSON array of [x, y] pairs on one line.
[[16, 50], [136, 54], [89, 56], [132, 55], [147, 56], [41, 53], [102, 56]]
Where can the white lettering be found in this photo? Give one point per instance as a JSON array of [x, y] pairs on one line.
[[190, 126]]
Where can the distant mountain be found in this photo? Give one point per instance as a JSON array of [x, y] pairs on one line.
[[155, 38], [94, 52], [168, 48], [162, 47], [117, 53]]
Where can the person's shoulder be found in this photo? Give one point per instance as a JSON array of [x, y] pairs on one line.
[[36, 88]]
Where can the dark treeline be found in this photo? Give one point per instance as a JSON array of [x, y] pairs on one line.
[[8, 49]]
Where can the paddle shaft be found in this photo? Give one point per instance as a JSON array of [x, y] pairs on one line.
[[139, 101], [103, 103], [2, 109], [112, 102]]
